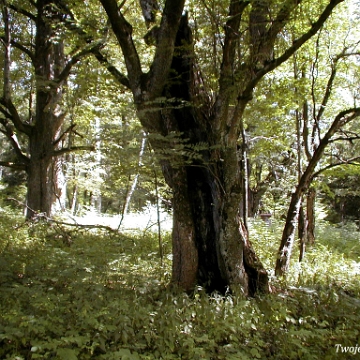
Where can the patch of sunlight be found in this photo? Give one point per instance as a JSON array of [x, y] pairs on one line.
[[144, 220]]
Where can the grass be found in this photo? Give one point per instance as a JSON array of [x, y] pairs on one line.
[[81, 294]]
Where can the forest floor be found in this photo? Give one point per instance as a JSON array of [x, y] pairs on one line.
[[93, 293]]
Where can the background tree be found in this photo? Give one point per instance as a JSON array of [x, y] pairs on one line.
[[315, 128], [36, 67]]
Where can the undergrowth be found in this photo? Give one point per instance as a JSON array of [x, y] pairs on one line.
[[71, 293]]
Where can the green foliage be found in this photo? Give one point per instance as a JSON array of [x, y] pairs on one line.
[[72, 293]]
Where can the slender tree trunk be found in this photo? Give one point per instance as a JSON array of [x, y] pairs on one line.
[[288, 236], [134, 181], [287, 240], [245, 174], [310, 214], [302, 232], [59, 184], [74, 200], [158, 220], [301, 218]]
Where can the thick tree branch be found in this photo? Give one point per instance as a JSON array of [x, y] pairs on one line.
[[340, 120], [226, 81], [23, 11], [93, 47], [232, 34], [24, 49], [119, 77], [73, 149], [123, 32], [263, 40], [347, 138], [11, 136], [149, 9], [281, 19], [74, 60], [15, 117], [68, 130], [5, 112], [292, 49], [165, 46], [13, 165], [353, 161]]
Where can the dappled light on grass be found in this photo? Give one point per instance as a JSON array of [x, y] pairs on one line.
[[104, 295]]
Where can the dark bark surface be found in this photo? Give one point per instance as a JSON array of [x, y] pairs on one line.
[[210, 245], [48, 61], [310, 214]]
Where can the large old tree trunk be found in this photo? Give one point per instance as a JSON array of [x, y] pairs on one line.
[[197, 138], [49, 59], [210, 243]]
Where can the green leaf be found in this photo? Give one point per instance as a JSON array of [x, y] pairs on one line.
[[67, 354]]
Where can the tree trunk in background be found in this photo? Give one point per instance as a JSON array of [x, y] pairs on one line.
[[288, 235], [310, 214], [48, 61], [244, 175], [306, 229], [302, 232], [134, 181], [40, 125]]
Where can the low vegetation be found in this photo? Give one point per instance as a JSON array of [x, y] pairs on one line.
[[75, 293]]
